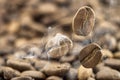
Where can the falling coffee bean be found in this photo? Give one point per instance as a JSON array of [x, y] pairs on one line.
[[83, 21], [58, 46], [90, 55]]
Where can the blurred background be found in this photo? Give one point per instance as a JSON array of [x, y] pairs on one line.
[[29, 21], [23, 21]]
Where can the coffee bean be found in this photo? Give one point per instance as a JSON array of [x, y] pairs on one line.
[[19, 65], [58, 46], [34, 74], [22, 78], [56, 69], [54, 78], [90, 55], [113, 63], [108, 74], [100, 67], [9, 73], [83, 21], [84, 73]]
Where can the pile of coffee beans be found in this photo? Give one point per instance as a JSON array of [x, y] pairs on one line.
[[59, 40]]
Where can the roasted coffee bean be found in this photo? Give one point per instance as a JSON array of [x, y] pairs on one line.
[[113, 63], [83, 21], [54, 78], [90, 55], [22, 78], [56, 69], [84, 73], [9, 73], [108, 74], [19, 65], [99, 67], [34, 74], [58, 46]]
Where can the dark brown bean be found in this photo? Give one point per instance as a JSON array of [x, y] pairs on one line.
[[83, 21], [90, 55]]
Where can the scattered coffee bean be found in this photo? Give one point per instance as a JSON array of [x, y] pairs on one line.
[[99, 67], [34, 74], [108, 74], [9, 73], [19, 65], [54, 78], [22, 78], [90, 55], [113, 63], [83, 21], [56, 69]]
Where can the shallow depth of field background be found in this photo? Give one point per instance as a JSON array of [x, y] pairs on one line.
[[28, 21]]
